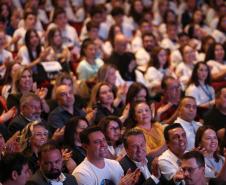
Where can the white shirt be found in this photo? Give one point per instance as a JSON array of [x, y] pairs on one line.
[[88, 174], [190, 129], [201, 94]]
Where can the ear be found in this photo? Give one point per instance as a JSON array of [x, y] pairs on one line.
[[14, 175], [85, 146]]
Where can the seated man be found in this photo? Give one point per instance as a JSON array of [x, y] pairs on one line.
[[30, 110], [95, 169], [136, 158], [193, 171], [14, 169], [186, 114], [169, 161], [217, 116], [66, 108], [50, 172]]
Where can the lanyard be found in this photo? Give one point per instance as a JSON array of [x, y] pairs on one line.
[[207, 91]]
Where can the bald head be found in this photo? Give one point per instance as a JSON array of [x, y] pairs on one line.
[[120, 43], [64, 96]]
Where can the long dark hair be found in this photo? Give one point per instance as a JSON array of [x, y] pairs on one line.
[[28, 44], [104, 124], [194, 77], [210, 54], [70, 128]]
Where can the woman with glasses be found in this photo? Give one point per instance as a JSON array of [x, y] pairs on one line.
[[111, 126]]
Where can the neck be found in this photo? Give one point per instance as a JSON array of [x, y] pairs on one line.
[[90, 60], [24, 91], [35, 150], [78, 143], [109, 107], [96, 162], [201, 82], [145, 125], [70, 109]]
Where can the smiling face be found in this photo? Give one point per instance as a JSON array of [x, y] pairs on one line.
[[39, 136], [219, 52], [97, 146], [113, 131], [143, 113], [26, 81], [136, 149], [177, 141], [209, 141]]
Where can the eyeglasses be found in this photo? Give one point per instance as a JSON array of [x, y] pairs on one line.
[[189, 170]]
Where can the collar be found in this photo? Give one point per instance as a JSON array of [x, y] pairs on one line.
[[61, 178], [141, 164]]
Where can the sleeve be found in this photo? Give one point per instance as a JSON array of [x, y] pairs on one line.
[[193, 91], [83, 179], [166, 169], [82, 73]]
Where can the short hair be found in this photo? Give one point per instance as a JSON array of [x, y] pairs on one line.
[[97, 9], [84, 135], [49, 146], [168, 128], [185, 97], [57, 12], [29, 12], [117, 11], [11, 162], [197, 156], [165, 79], [131, 132], [91, 25], [28, 98]]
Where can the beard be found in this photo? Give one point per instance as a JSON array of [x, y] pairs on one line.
[[54, 174]]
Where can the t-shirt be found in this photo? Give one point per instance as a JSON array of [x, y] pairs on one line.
[[88, 174]]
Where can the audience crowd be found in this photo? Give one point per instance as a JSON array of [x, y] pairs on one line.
[[117, 92]]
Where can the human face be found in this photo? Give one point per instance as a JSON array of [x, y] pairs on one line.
[[111, 78], [57, 38], [138, 6], [141, 95], [193, 174], [51, 163], [65, 96], [172, 32], [162, 57], [113, 131], [34, 40], [188, 55], [142, 113], [136, 149], [82, 124], [24, 175], [2, 143], [39, 136], [202, 72], [32, 110], [209, 141], [30, 21], [188, 109], [149, 43], [97, 147], [61, 20], [106, 96], [219, 52], [26, 81], [67, 82], [177, 141], [120, 44], [198, 16], [173, 90], [90, 51]]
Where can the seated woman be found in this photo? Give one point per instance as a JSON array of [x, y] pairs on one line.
[[111, 126], [58, 52], [206, 139], [71, 139], [22, 84], [102, 99], [200, 88], [159, 69], [89, 65], [33, 136], [184, 69], [215, 59], [140, 112]]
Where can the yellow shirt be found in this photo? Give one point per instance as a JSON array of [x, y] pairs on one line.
[[154, 137]]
